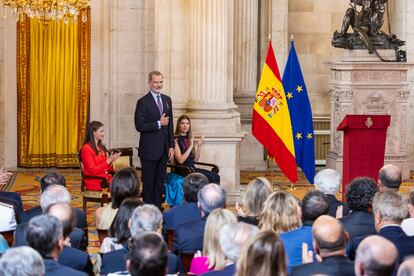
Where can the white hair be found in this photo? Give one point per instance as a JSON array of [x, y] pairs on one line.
[[328, 181], [21, 261], [145, 218], [54, 194]]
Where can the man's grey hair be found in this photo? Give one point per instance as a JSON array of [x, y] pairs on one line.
[[390, 177], [233, 237], [210, 197], [54, 194], [328, 181], [391, 205], [21, 261], [145, 218]]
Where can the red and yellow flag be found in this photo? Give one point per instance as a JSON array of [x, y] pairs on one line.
[[271, 120]]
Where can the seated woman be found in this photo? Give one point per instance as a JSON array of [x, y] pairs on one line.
[[187, 150], [125, 184], [94, 156]]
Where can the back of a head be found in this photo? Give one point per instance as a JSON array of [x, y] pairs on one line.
[[314, 204], [328, 181], [52, 179], [360, 192], [43, 234], [234, 236], [390, 177], [328, 234], [391, 206], [376, 256], [211, 197], [54, 194], [147, 255], [125, 183], [65, 214], [263, 255], [145, 218], [21, 261], [192, 184], [258, 190], [407, 267]]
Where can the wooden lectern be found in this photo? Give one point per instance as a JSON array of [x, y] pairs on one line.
[[364, 146]]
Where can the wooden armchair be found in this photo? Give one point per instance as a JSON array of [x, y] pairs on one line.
[[184, 170], [186, 259]]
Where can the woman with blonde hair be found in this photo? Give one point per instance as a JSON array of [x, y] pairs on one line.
[[258, 190], [264, 255], [212, 257], [281, 213]]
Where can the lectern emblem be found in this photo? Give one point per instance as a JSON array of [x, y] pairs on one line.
[[369, 122]]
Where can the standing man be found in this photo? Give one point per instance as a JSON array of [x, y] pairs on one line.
[[154, 121]]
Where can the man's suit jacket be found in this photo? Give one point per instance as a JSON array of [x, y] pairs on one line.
[[404, 243], [359, 224], [53, 268], [335, 265], [229, 270], [153, 141], [187, 211], [115, 261], [189, 236], [334, 203], [76, 259]]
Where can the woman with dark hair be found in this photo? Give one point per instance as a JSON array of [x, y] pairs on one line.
[[125, 184], [94, 156], [187, 151]]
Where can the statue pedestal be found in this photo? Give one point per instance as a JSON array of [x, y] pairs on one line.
[[361, 84]]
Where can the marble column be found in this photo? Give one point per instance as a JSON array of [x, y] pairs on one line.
[[210, 104]]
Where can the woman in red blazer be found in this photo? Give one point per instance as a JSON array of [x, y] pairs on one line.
[[95, 159]]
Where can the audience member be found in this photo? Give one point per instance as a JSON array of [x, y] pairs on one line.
[[258, 190], [188, 210], [406, 268], [264, 255], [21, 261], [375, 256], [188, 236], [408, 224], [212, 257], [3, 244], [281, 213], [328, 181], [314, 204], [389, 178], [125, 184], [9, 218], [45, 235], [389, 210], [329, 243], [13, 196]]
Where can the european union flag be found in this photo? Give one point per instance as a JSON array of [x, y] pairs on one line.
[[300, 114]]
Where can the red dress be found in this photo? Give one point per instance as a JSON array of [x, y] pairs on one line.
[[95, 165]]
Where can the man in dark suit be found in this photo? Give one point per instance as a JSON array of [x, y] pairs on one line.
[[11, 262], [45, 235], [329, 242], [389, 178], [154, 122], [389, 211]]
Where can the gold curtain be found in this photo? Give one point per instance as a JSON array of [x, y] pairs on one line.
[[53, 72]]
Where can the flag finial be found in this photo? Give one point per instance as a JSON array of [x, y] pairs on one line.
[[291, 38], [269, 38]]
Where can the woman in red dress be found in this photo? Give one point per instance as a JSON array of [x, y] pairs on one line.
[[95, 158]]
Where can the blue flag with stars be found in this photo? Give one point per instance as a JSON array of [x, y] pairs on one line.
[[300, 115]]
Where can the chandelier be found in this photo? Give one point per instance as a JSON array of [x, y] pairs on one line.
[[46, 10]]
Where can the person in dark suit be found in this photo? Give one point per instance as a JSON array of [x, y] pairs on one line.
[[154, 122], [45, 235], [329, 242], [328, 181], [389, 178], [11, 262], [389, 211], [376, 256], [188, 210]]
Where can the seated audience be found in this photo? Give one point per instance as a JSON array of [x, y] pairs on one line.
[[406, 268], [119, 232], [21, 261], [258, 190], [314, 204], [264, 255], [189, 236], [389, 210], [408, 224], [389, 178], [280, 213], [125, 184], [328, 181], [45, 235], [188, 210], [376, 256], [9, 218], [212, 257], [144, 219], [329, 243], [11, 196], [187, 151], [95, 158], [3, 244]]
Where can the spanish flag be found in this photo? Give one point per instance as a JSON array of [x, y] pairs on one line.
[[271, 123]]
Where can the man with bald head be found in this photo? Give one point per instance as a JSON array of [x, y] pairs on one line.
[[375, 256], [406, 268], [389, 178], [329, 242]]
